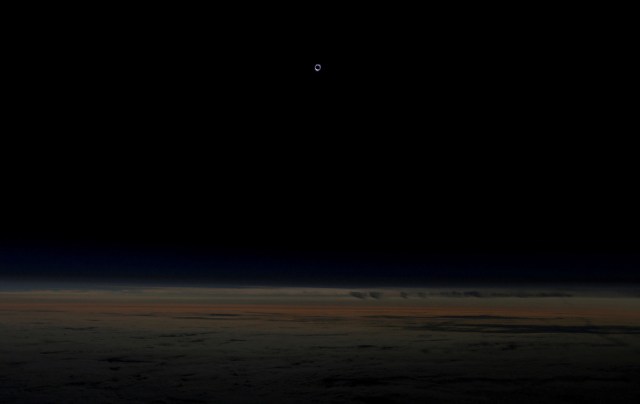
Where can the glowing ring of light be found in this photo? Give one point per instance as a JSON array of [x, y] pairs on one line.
[[317, 67]]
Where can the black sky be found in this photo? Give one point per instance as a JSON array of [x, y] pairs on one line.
[[462, 148]]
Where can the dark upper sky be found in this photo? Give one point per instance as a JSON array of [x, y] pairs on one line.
[[462, 146]]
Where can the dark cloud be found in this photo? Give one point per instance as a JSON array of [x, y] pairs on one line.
[[526, 328], [364, 295], [376, 295]]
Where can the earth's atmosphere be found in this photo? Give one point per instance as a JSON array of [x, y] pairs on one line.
[[293, 345]]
